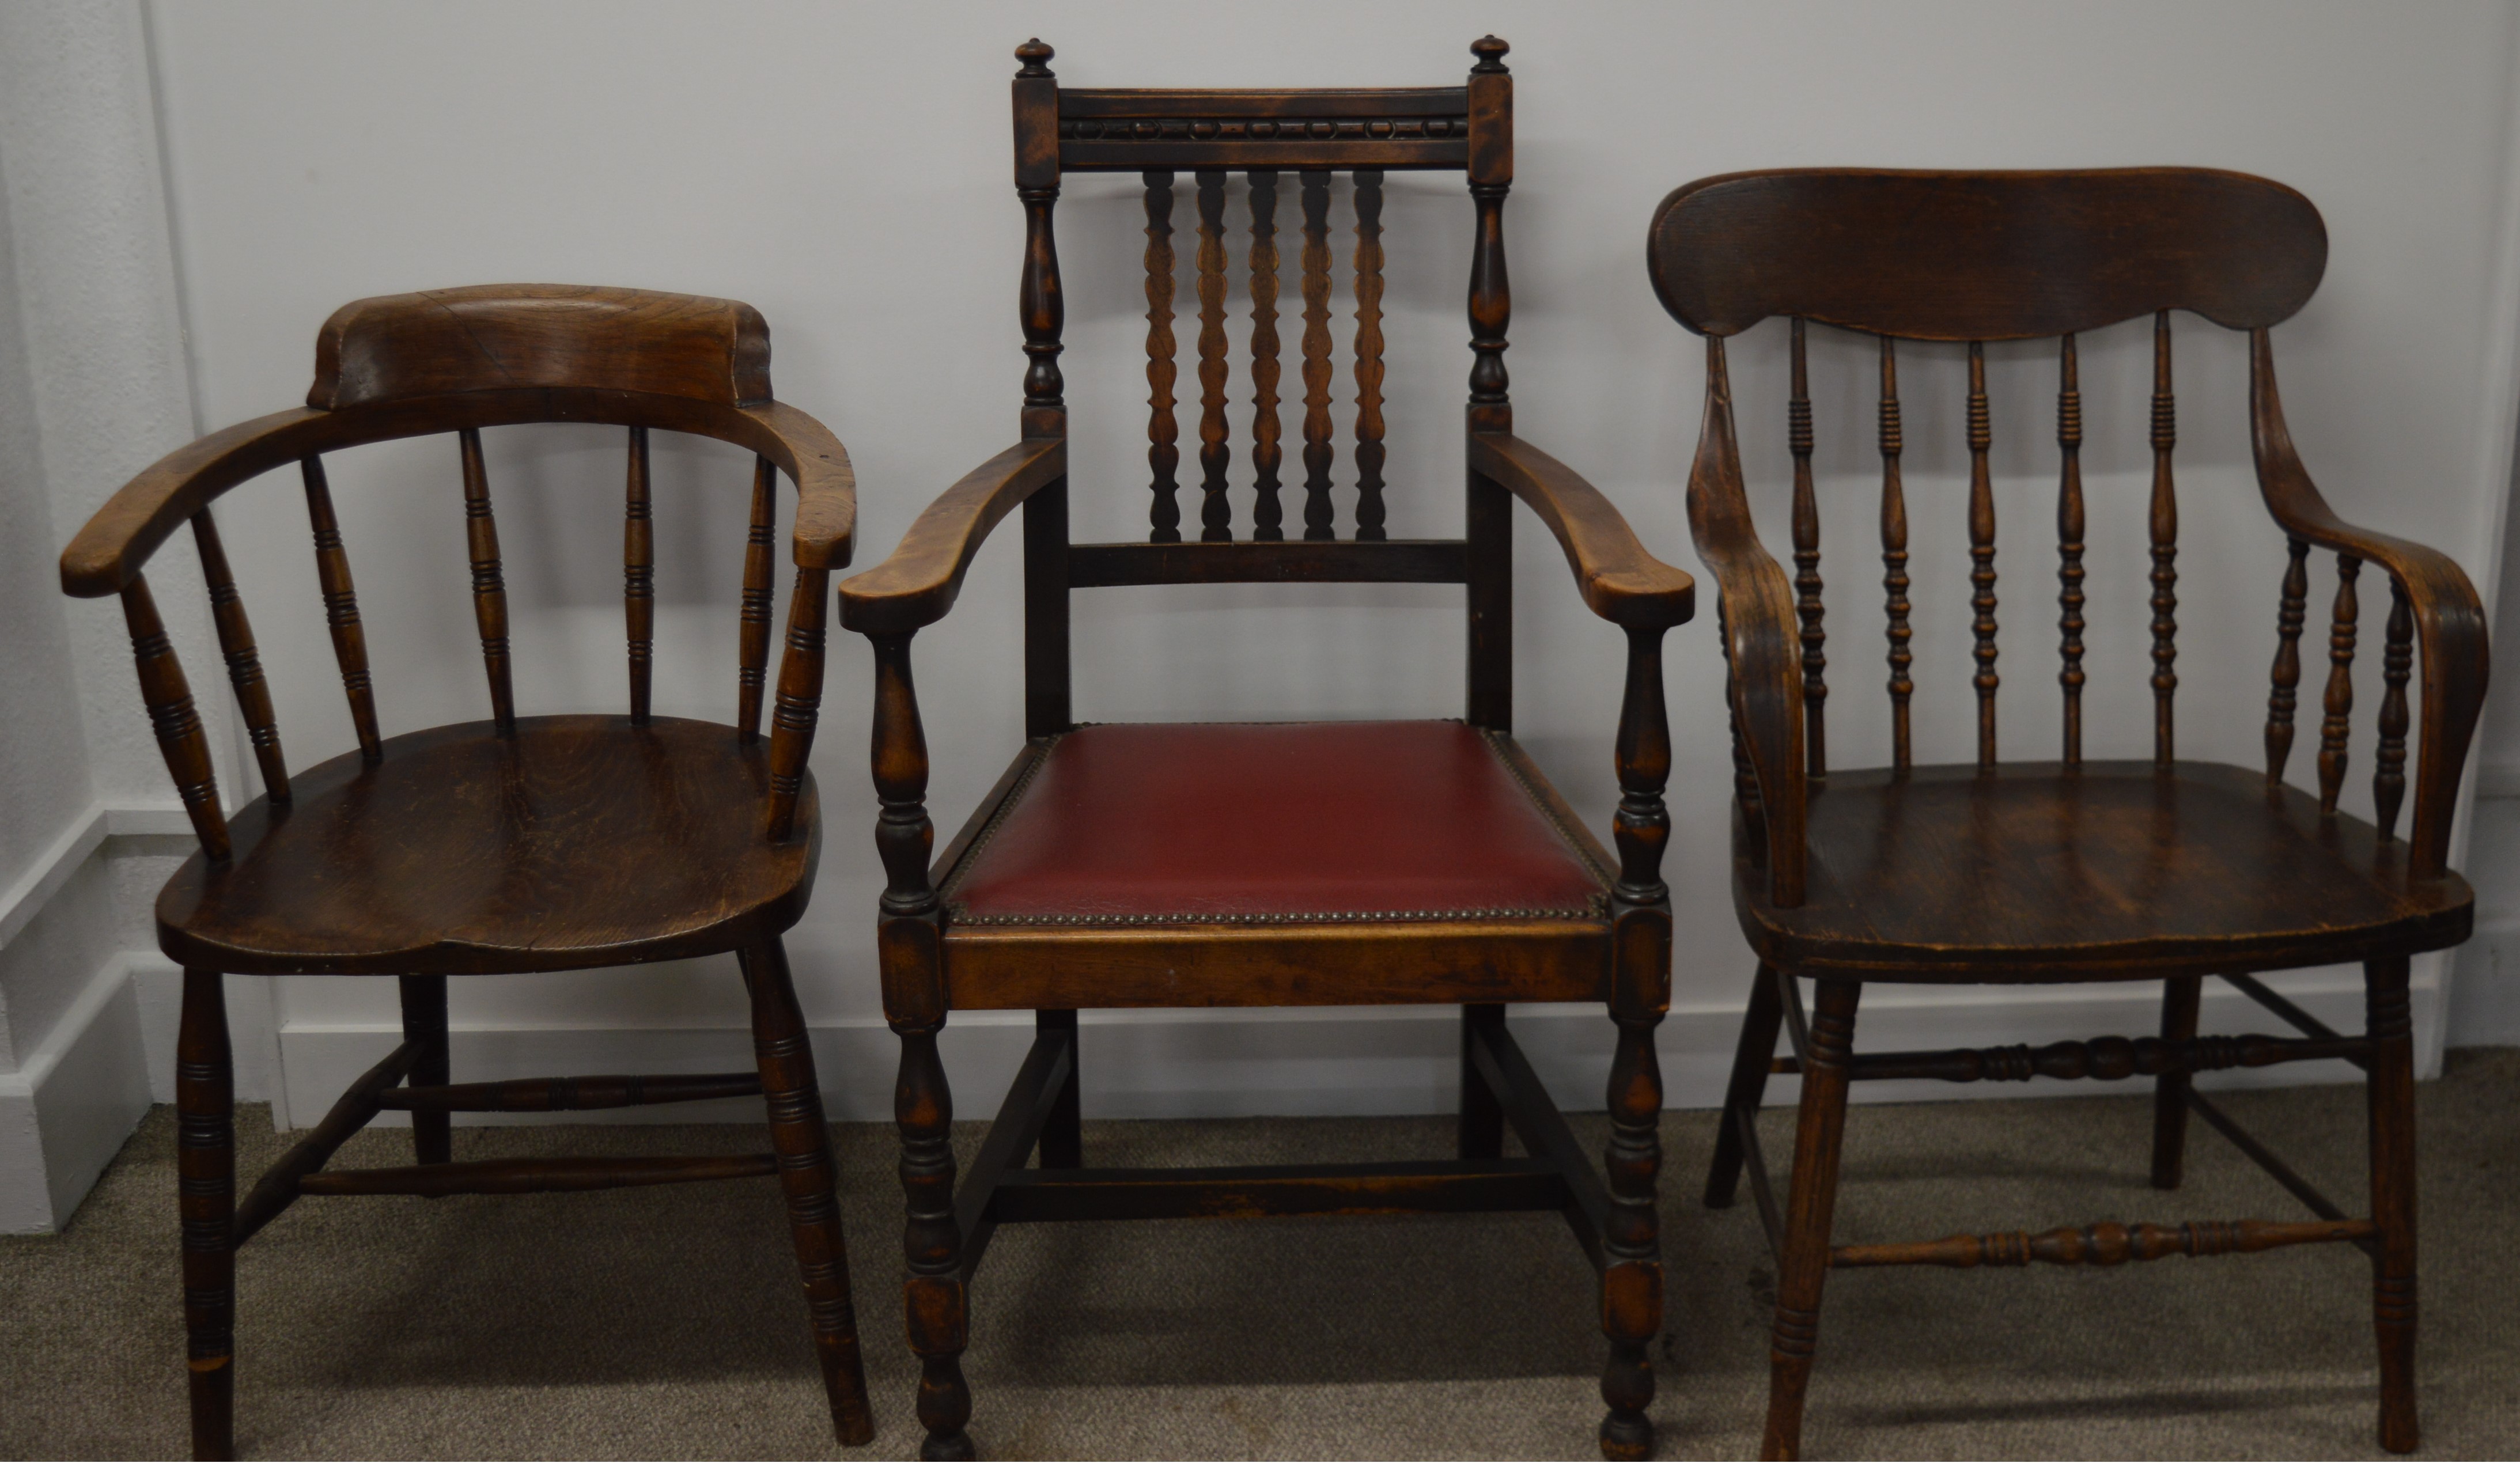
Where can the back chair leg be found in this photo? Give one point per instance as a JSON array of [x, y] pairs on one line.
[[933, 1304], [1482, 1124], [803, 1143], [206, 1186], [1748, 1086], [424, 1026], [1063, 1138], [2392, 1088], [2180, 998], [1632, 1245], [1809, 1214]]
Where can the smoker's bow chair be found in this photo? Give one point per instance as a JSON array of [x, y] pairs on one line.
[[2071, 869], [509, 845], [1285, 864]]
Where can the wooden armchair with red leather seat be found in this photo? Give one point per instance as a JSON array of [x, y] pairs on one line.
[[1315, 863]]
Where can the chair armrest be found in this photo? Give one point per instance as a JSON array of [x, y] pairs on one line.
[[1619, 580], [918, 582], [1762, 643], [826, 486], [2448, 616], [109, 552]]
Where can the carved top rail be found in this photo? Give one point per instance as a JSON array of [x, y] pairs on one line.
[[1128, 130]]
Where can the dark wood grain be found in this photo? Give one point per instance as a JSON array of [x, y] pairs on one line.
[[1973, 255], [2069, 546], [1808, 585], [489, 582], [2163, 521], [1369, 450], [1267, 456], [244, 662], [1390, 561], [1163, 431]]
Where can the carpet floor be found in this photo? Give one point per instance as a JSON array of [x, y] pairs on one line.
[[664, 1323]]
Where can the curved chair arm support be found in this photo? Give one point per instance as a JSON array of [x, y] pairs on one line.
[[2449, 619], [110, 551], [1619, 580], [1762, 644], [919, 580]]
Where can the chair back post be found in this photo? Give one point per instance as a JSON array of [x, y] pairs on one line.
[[1043, 306], [1489, 516]]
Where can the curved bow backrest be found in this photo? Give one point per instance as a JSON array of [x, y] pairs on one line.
[[460, 360]]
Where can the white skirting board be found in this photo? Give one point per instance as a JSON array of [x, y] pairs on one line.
[[65, 1111], [1324, 1062]]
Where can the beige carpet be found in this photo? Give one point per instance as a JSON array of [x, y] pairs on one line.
[[664, 1323]]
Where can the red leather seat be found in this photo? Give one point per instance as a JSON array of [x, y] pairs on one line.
[[1275, 824]]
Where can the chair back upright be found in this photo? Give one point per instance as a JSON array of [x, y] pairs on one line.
[[1978, 256], [1283, 142]]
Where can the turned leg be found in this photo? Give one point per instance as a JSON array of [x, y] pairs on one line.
[[2180, 996], [803, 1143], [1749, 1084], [1482, 1129], [932, 1297], [2392, 1088], [1063, 1138], [1631, 1246], [206, 1186], [424, 1026], [1804, 1265]]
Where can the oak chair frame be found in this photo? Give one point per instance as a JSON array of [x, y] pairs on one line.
[[929, 968], [1970, 258], [460, 361]]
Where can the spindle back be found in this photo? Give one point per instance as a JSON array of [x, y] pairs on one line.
[[1952, 256], [1287, 145], [459, 361]]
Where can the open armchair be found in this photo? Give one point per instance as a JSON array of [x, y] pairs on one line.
[[1277, 863], [2070, 870], [511, 845]]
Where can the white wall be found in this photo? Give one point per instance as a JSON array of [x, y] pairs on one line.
[[846, 171]]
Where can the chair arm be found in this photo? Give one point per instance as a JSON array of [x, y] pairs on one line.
[[826, 486], [2448, 616], [918, 582], [1762, 643], [108, 552], [1619, 580]]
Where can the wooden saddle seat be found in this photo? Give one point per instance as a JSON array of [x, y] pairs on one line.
[[2119, 871], [579, 841]]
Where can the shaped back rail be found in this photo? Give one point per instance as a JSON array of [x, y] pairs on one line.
[[1973, 257], [459, 361]]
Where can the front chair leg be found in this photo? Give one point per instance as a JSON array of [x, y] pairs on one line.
[[803, 1142], [1632, 1254], [1809, 1215], [424, 1026], [933, 1303], [2392, 1088], [1741, 1096], [205, 1190]]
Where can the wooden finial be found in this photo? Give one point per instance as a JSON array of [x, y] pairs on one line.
[[1035, 55], [1491, 54]]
